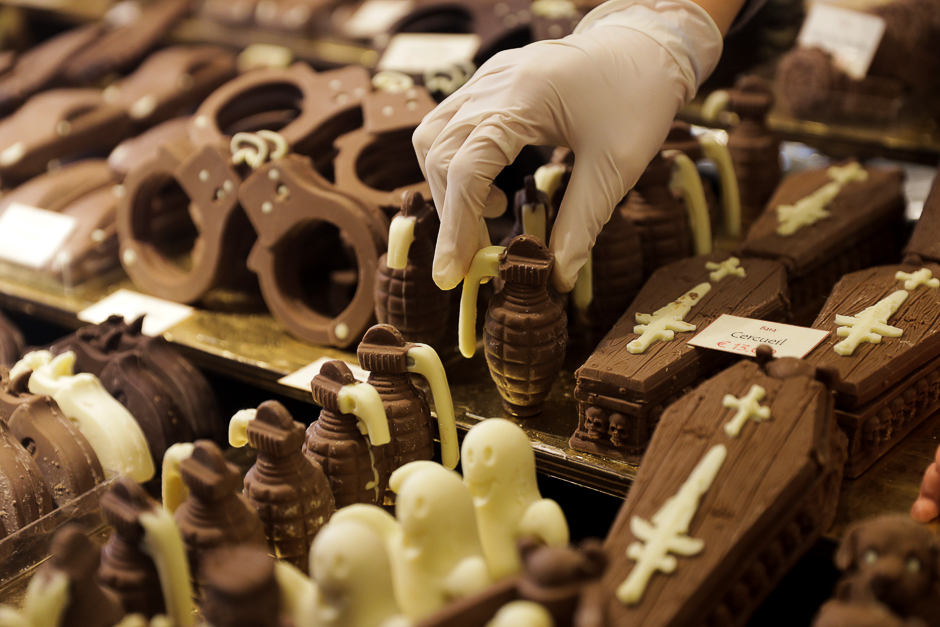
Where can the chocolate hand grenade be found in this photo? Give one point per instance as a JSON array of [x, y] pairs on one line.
[[611, 278], [241, 589], [125, 568], [214, 513], [347, 438], [405, 294], [289, 490], [526, 329], [707, 147], [666, 227], [755, 152], [76, 558], [390, 361]]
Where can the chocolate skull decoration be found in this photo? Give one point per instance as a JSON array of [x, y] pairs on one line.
[[596, 423], [618, 430]]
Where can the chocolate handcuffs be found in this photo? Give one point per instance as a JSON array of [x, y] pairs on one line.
[[85, 191], [211, 182], [286, 202], [135, 151], [253, 101], [171, 82], [36, 68], [366, 167], [500, 24], [56, 125], [123, 46]]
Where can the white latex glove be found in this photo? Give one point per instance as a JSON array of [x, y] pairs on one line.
[[609, 92]]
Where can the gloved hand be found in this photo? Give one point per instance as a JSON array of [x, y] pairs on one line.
[[609, 92]]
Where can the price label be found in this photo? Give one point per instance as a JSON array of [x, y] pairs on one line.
[[742, 336], [851, 37], [159, 314], [375, 17], [300, 379], [416, 53], [30, 236]]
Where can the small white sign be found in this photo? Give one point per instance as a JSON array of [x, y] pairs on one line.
[[375, 17], [416, 53], [30, 236], [160, 314], [742, 336], [851, 37], [301, 379]]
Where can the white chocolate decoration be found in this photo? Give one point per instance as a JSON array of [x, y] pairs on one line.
[[110, 429], [729, 267], [47, 599], [433, 546], [9, 617], [748, 408], [688, 183], [238, 427], [667, 532], [913, 280], [499, 468], [424, 360], [353, 578], [870, 325], [663, 324], [173, 489], [812, 208], [535, 220], [296, 590], [363, 401], [522, 614], [485, 265], [163, 542], [401, 234], [718, 152], [548, 177], [582, 294]]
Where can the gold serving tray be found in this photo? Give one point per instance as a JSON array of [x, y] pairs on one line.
[[253, 348]]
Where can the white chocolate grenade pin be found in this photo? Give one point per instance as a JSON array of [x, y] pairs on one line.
[[754, 150], [668, 230], [390, 362], [406, 296], [526, 330], [289, 490], [347, 440]]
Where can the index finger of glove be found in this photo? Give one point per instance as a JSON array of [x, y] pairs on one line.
[[490, 147]]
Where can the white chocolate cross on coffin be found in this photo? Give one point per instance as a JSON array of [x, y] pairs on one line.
[[812, 208], [729, 267], [913, 280], [667, 532], [749, 408], [663, 324], [870, 325]]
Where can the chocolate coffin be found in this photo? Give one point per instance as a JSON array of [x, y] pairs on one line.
[[886, 388], [625, 392], [727, 514], [862, 230]]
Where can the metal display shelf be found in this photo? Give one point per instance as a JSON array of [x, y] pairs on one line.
[[252, 347]]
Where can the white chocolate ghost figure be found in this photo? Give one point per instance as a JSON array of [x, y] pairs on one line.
[[110, 429], [353, 578], [522, 614], [434, 545], [499, 469]]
